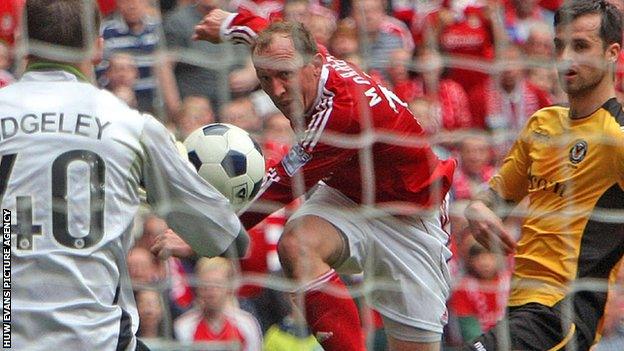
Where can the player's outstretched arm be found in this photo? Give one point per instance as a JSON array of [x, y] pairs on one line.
[[221, 26], [486, 227], [191, 206], [171, 244], [209, 27]]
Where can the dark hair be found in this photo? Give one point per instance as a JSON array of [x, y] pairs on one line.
[[610, 17], [303, 40], [65, 23]]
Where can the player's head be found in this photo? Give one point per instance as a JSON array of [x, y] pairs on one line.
[[288, 66], [63, 30], [588, 38]]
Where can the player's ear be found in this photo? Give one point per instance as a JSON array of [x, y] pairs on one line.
[[613, 50], [98, 51], [317, 62]]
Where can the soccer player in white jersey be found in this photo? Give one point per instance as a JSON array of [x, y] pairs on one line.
[[72, 160]]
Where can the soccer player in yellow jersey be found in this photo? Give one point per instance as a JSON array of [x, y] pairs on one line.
[[569, 162]]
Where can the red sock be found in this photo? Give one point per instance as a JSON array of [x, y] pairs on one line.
[[334, 320]]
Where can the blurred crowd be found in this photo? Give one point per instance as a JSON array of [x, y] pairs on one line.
[[471, 71]]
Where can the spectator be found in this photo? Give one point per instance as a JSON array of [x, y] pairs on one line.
[[420, 108], [290, 334], [196, 111], [539, 42], [475, 167], [425, 20], [480, 298], [150, 310], [505, 104], [467, 32], [321, 22], [142, 266], [277, 129], [266, 305], [296, 10], [122, 75], [5, 57], [241, 113], [133, 31], [224, 67], [215, 317], [443, 100], [121, 71], [6, 77], [545, 79], [383, 34], [344, 41], [521, 15], [400, 78]]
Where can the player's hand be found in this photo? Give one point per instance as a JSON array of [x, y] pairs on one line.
[[208, 28], [488, 229], [170, 244]]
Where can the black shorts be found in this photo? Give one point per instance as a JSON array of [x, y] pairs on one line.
[[537, 327]]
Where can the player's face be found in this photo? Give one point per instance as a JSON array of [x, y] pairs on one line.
[[583, 59], [290, 83]]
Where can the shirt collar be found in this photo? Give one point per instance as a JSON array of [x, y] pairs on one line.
[[49, 71], [319, 89]]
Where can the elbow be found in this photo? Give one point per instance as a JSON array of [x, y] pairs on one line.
[[239, 246]]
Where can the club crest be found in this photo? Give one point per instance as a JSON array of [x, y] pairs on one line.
[[578, 151]]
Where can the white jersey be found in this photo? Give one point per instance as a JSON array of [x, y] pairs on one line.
[[73, 159]]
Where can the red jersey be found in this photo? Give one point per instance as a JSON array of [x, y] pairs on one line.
[[470, 38], [466, 187], [484, 301], [349, 106], [491, 108], [452, 109], [228, 332], [237, 326]]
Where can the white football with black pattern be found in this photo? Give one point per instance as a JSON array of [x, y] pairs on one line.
[[228, 158]]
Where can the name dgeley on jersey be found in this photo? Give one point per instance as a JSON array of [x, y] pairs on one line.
[[52, 122]]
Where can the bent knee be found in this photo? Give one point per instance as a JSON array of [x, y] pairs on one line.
[[308, 243]]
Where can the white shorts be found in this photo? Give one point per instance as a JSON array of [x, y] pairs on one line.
[[404, 260]]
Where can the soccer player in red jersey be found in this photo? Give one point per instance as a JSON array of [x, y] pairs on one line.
[[360, 154]]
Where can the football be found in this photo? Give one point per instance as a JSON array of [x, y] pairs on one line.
[[229, 159]]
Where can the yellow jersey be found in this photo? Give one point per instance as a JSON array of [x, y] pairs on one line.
[[572, 171]]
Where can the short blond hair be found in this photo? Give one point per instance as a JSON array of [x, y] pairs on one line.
[[206, 264]]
